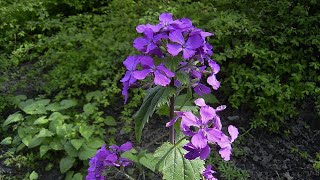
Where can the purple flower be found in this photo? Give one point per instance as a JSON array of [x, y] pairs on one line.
[[161, 74], [199, 88], [225, 143], [195, 152], [105, 158], [148, 43], [131, 64], [188, 48], [212, 80], [141, 28], [208, 173]]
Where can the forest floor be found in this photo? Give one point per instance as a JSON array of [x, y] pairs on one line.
[[289, 155]]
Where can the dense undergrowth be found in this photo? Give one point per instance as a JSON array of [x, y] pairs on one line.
[[53, 53]]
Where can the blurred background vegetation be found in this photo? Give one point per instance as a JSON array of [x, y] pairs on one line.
[[61, 62]]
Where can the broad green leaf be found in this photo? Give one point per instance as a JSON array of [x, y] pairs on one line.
[[209, 98], [44, 133], [77, 143], [89, 109], [41, 120], [68, 103], [37, 107], [86, 152], [20, 147], [131, 155], [148, 161], [95, 143], [53, 107], [110, 121], [173, 165], [43, 150], [86, 131], [154, 98], [77, 176], [33, 175], [71, 151], [63, 130], [16, 117], [66, 163], [35, 141], [55, 144], [58, 116], [6, 141], [17, 99]]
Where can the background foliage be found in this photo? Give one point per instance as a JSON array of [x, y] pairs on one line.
[[59, 50]]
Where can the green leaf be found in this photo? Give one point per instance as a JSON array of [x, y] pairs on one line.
[[86, 152], [37, 107], [67, 103], [44, 133], [77, 143], [77, 176], [55, 144], [6, 141], [33, 175], [173, 165], [17, 99], [16, 117], [43, 150], [154, 98], [71, 151], [95, 143], [63, 130], [110, 121], [53, 107], [148, 161], [41, 120], [86, 131], [66, 163], [89, 109]]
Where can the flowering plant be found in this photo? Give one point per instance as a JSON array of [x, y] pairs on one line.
[[175, 59]]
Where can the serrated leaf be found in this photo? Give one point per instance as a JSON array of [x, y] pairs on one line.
[[183, 78], [77, 143], [16, 117], [173, 165], [6, 141], [41, 120], [66, 163], [154, 97], [36, 107], [86, 131]]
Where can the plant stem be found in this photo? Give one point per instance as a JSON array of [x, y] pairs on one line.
[[171, 115]]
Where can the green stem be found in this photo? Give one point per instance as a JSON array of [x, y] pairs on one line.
[[171, 115]]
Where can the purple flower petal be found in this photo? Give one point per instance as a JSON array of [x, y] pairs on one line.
[[202, 89], [214, 135], [204, 152], [141, 74], [200, 102], [225, 153], [131, 62], [165, 18], [174, 49], [233, 131], [217, 122], [177, 37], [199, 140], [221, 108], [125, 147], [207, 113], [166, 71], [214, 66], [212, 80], [146, 62], [188, 53], [194, 42], [160, 79], [140, 44]]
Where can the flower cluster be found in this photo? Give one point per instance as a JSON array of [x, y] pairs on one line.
[[204, 131], [165, 40], [105, 158]]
